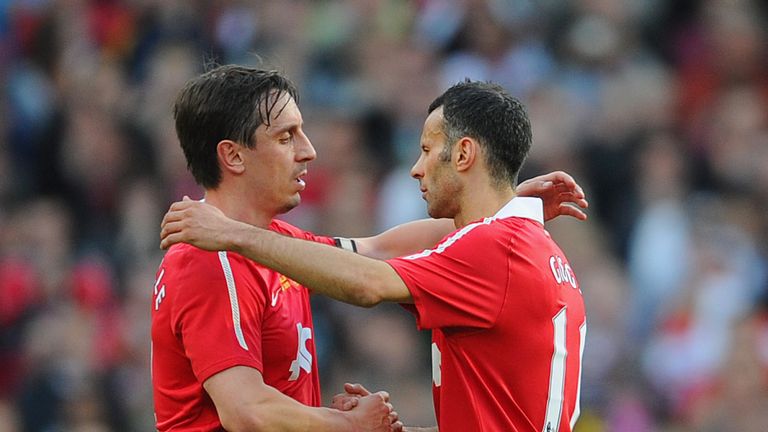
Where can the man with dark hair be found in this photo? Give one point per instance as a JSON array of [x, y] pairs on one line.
[[232, 341], [504, 306], [231, 102], [471, 109]]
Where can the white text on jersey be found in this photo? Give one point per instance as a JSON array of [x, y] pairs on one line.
[[159, 293], [562, 271]]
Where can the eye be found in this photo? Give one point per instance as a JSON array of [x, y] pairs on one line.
[[286, 138]]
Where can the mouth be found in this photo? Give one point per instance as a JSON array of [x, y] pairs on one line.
[[300, 179]]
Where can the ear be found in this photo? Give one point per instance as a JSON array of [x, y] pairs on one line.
[[230, 156], [466, 152]]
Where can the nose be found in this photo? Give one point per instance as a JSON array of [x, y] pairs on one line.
[[417, 170], [305, 152]]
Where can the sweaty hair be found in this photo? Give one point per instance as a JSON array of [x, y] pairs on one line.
[[486, 112], [228, 102]]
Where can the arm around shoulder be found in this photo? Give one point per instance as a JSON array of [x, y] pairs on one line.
[[327, 270], [337, 273]]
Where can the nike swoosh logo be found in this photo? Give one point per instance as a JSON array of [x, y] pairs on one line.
[[274, 297]]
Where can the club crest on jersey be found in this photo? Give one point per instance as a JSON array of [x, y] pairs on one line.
[[286, 283], [562, 271]]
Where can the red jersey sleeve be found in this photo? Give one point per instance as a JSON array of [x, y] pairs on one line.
[[206, 314], [452, 285]]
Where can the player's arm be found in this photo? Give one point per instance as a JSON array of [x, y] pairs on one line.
[[245, 403], [560, 193], [331, 271], [404, 239]]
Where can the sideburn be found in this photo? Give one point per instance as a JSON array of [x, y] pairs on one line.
[[445, 153]]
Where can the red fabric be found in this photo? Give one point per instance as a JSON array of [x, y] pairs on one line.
[[194, 333], [489, 294]]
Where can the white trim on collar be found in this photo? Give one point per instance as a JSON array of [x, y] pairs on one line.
[[526, 207]]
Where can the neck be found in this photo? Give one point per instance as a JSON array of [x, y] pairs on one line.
[[482, 202], [232, 206]]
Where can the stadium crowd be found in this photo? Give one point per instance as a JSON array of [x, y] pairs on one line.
[[658, 108]]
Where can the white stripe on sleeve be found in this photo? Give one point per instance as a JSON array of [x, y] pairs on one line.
[[232, 290], [450, 240]]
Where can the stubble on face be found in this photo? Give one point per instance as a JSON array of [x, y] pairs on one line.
[[444, 191], [441, 182], [277, 167], [445, 187]]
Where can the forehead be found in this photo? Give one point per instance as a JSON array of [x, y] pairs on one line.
[[285, 112], [433, 125]]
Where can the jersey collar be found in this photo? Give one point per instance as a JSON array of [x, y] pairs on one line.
[[525, 207]]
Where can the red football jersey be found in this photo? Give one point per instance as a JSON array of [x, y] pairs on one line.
[[508, 324], [215, 310]]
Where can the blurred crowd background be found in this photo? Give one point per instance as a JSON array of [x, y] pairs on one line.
[[658, 108]]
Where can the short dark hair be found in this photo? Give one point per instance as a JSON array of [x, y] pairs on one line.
[[227, 102], [486, 112]]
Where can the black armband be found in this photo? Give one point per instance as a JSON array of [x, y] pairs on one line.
[[345, 243]]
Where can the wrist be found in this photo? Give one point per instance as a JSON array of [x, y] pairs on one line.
[[236, 239], [348, 420]]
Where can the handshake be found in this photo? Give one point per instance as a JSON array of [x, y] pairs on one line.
[[368, 411]]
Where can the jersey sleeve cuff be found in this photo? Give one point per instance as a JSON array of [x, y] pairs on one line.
[[225, 364]]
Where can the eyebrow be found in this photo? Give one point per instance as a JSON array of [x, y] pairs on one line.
[[277, 129]]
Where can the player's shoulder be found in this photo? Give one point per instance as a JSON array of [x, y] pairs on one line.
[[183, 258], [518, 224], [491, 231], [286, 228], [183, 252], [481, 230], [198, 270], [487, 234], [494, 227], [467, 240]]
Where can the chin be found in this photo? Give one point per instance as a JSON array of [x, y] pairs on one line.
[[436, 210], [291, 204], [436, 213]]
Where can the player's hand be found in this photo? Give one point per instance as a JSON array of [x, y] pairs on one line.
[[561, 195], [374, 413], [198, 224], [351, 397], [397, 425], [348, 400]]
